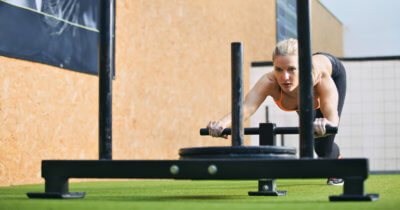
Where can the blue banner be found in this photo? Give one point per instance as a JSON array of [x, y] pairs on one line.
[[62, 33]]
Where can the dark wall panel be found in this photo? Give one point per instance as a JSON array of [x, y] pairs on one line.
[[58, 33]]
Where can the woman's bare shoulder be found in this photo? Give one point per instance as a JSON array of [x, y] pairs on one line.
[[270, 84], [270, 76], [322, 64], [269, 79]]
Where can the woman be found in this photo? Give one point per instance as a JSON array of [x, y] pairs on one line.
[[329, 84]]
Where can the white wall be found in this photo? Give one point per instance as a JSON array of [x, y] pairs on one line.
[[370, 122]]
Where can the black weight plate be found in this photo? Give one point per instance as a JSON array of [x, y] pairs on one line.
[[257, 152]]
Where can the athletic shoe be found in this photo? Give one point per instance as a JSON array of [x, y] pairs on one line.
[[335, 181]]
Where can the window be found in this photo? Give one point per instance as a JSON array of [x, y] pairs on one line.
[[286, 19]]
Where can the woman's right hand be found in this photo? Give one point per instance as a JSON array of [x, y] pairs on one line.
[[215, 129]]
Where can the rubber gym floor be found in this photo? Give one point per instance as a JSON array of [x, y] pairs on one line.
[[186, 194]]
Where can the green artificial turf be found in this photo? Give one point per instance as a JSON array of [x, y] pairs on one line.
[[184, 194]]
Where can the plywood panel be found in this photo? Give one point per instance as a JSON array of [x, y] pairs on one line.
[[327, 31], [45, 112]]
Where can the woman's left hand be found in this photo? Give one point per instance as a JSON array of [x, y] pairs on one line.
[[320, 126]]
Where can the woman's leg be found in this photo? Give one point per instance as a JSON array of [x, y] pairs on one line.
[[325, 147]]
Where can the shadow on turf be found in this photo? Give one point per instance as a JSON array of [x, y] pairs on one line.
[[168, 198], [297, 185], [185, 198], [138, 198]]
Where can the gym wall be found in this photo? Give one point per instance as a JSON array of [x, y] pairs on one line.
[[173, 76]]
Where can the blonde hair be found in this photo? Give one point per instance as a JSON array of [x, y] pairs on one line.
[[290, 47], [285, 47]]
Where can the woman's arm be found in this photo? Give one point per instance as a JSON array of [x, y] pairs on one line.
[[252, 101], [329, 97]]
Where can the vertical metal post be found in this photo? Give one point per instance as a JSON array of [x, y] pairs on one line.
[[237, 93], [106, 67], [113, 42], [306, 88]]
